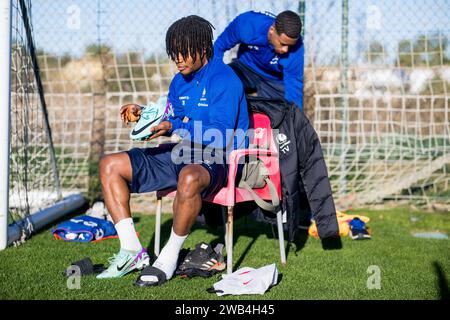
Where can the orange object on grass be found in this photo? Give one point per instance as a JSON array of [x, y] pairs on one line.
[[343, 220]]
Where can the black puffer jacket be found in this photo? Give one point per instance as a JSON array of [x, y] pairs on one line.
[[305, 184]]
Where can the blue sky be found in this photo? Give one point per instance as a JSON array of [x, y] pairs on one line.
[[67, 26], [128, 24], [386, 21]]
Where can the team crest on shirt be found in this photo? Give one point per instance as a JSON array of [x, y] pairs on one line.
[[203, 100]]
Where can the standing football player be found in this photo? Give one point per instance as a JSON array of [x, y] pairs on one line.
[[270, 56]]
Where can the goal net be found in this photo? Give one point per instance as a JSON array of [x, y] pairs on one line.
[[377, 83], [34, 180]]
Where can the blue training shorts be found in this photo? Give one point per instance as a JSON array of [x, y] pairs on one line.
[[153, 170]]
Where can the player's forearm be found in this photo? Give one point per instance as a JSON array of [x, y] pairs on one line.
[[294, 91], [296, 98], [220, 48], [176, 123], [227, 40]]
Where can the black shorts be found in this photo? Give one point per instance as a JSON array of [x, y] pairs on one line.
[[253, 82], [154, 169]]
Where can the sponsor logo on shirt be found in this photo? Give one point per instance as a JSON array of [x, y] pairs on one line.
[[253, 48], [274, 60], [183, 99]]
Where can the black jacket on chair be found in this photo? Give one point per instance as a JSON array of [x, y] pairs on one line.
[[305, 184]]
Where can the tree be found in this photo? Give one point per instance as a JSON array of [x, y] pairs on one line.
[[423, 51], [97, 49], [375, 53]]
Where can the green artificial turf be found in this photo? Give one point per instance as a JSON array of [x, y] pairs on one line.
[[411, 268]]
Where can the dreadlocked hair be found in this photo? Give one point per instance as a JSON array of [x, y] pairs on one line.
[[190, 35], [289, 23]]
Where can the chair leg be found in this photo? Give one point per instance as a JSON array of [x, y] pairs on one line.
[[158, 225], [281, 238], [224, 218], [229, 239]]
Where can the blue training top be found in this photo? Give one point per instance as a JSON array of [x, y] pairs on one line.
[[213, 101], [250, 30]]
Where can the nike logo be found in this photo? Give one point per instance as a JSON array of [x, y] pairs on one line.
[[122, 266], [145, 127], [247, 282]]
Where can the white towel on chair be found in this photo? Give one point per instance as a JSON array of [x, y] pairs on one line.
[[247, 281]]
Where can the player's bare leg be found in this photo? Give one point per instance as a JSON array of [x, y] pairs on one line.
[[192, 180], [115, 174]]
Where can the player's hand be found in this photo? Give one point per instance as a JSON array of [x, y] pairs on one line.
[[130, 113], [160, 129]]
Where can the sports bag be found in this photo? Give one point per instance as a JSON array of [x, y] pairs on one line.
[[84, 229], [255, 175]]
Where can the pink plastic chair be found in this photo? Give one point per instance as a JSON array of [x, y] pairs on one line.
[[264, 147]]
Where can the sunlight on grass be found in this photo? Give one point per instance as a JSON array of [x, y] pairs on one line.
[[410, 268]]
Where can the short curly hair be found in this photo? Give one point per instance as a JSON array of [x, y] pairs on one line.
[[289, 23]]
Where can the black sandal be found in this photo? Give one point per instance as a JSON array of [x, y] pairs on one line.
[[151, 271], [85, 268]]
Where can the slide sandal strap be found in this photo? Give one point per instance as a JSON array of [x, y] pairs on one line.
[[151, 271]]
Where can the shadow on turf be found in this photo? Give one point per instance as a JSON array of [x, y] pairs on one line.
[[442, 284], [244, 226], [240, 229]]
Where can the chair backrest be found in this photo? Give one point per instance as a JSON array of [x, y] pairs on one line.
[[262, 132], [262, 139]]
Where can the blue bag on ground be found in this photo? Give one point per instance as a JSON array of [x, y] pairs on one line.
[[84, 229]]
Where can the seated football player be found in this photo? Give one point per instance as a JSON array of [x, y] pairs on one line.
[[209, 103]]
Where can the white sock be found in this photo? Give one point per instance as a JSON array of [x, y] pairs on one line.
[[167, 259], [127, 235]]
